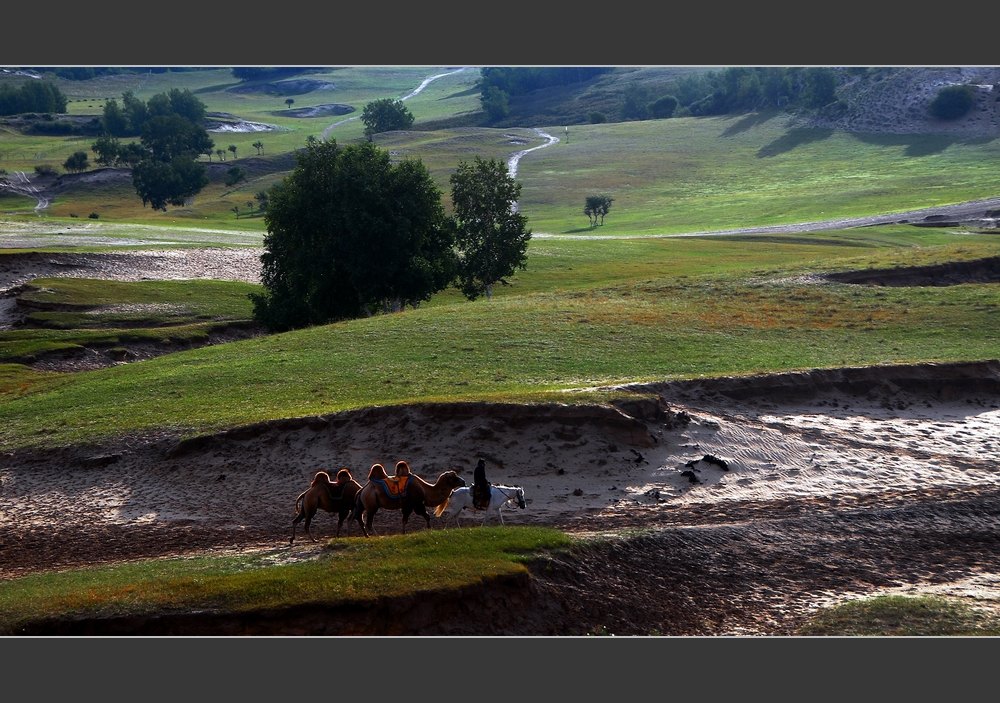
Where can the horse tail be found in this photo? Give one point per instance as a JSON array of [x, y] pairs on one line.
[[441, 507]]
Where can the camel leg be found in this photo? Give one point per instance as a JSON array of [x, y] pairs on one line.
[[421, 510], [500, 513], [298, 518], [309, 518], [369, 520]]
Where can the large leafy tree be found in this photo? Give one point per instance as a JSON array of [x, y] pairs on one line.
[[165, 170], [385, 115], [490, 234], [350, 234]]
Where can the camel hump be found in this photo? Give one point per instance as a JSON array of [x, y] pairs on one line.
[[321, 477], [344, 475], [377, 472], [402, 468]]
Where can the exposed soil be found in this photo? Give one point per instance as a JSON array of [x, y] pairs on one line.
[[949, 274], [325, 110], [292, 86], [837, 484]]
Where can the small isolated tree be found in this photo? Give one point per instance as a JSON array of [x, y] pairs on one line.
[[107, 150], [289, 102], [351, 234], [596, 207], [236, 209], [259, 146], [76, 162], [490, 234], [221, 153], [232, 148], [385, 115]]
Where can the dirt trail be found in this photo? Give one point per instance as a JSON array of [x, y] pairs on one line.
[[416, 91]]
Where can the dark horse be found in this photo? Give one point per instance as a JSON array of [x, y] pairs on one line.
[[332, 496], [383, 491]]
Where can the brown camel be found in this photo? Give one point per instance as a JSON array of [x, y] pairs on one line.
[[415, 496], [332, 496]]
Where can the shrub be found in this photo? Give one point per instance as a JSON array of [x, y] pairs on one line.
[[235, 175], [597, 118], [664, 107], [46, 170], [93, 215], [952, 102]]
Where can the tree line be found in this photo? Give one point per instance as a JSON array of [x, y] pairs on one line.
[[32, 96], [498, 84]]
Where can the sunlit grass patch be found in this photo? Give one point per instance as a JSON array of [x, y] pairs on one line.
[[903, 616]]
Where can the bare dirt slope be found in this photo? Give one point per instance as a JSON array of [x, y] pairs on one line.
[[835, 483]]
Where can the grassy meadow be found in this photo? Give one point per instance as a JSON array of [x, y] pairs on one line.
[[585, 313]]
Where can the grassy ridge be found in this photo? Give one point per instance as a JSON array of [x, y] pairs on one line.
[[352, 570], [902, 616]]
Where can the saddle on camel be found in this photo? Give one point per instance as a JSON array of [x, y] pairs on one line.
[[393, 486], [480, 487]]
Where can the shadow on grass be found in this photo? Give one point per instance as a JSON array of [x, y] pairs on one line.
[[746, 122], [462, 93], [580, 230], [215, 88], [794, 138], [795, 240], [920, 144]]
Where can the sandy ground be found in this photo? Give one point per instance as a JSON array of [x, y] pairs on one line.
[[877, 467]]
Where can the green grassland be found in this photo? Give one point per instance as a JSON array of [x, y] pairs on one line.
[[585, 313], [716, 173], [221, 92]]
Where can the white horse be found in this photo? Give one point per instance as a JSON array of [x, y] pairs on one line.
[[500, 497]]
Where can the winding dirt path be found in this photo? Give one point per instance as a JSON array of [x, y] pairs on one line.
[[416, 91], [22, 185]]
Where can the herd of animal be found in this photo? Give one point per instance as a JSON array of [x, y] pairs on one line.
[[448, 496]]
